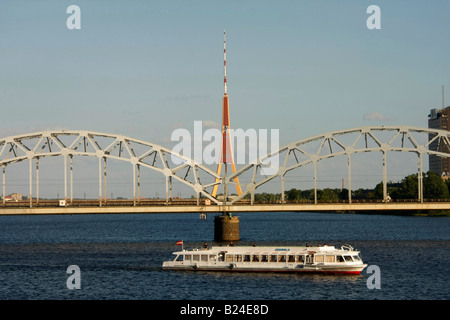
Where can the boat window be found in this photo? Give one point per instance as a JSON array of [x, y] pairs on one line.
[[187, 257], [247, 258], [229, 258], [339, 259], [273, 258], [282, 258], [320, 258], [178, 258], [238, 258], [264, 258], [330, 259], [301, 259], [356, 258], [348, 258], [255, 258], [221, 256], [195, 257], [204, 257], [291, 259], [212, 257]]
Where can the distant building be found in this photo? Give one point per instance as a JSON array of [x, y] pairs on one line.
[[14, 197], [17, 197], [439, 119]]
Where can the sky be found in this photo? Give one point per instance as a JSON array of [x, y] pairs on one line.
[[145, 68]]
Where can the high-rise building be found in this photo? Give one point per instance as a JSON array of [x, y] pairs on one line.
[[439, 119]]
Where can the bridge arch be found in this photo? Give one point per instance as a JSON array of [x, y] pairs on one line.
[[345, 143], [137, 153]]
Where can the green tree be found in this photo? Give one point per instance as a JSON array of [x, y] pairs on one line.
[[308, 194], [328, 195], [378, 191], [409, 187], [293, 194], [434, 187], [343, 195]]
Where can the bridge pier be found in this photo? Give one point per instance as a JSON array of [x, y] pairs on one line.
[[226, 228]]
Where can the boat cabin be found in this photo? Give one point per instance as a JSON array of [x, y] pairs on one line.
[[306, 257]]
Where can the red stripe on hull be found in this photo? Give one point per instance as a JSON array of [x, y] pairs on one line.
[[272, 271]]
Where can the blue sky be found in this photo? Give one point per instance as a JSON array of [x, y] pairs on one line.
[[145, 68]]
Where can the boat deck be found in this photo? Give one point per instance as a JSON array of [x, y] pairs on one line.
[[269, 259]]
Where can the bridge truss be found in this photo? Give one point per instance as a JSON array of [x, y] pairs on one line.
[[345, 143], [138, 153]]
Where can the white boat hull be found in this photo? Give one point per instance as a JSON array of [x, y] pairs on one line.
[[231, 259], [304, 269]]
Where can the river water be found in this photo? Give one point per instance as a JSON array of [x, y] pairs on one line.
[[120, 257]]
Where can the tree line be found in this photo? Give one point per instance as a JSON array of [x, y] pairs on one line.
[[434, 187]]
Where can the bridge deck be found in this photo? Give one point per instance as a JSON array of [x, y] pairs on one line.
[[334, 207]]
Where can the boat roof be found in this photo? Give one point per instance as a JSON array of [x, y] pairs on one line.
[[264, 250]]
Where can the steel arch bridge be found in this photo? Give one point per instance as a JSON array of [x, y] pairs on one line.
[[138, 153], [346, 143], [103, 146]]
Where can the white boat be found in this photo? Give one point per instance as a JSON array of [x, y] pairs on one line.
[[318, 259]]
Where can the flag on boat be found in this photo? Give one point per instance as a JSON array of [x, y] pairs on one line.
[[179, 243]]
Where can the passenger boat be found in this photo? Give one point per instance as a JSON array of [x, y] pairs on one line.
[[317, 259]]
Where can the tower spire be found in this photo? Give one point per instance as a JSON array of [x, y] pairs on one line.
[[224, 62], [226, 156]]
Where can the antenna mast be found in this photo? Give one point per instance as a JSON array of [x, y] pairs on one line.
[[224, 62], [226, 156]]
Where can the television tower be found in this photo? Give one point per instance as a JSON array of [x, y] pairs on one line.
[[226, 152]]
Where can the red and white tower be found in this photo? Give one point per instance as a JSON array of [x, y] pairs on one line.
[[226, 151]]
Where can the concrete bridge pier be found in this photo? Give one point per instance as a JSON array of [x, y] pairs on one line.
[[226, 228]]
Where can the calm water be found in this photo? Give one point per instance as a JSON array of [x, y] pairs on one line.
[[120, 257]]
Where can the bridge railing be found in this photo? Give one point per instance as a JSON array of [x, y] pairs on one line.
[[193, 202]]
